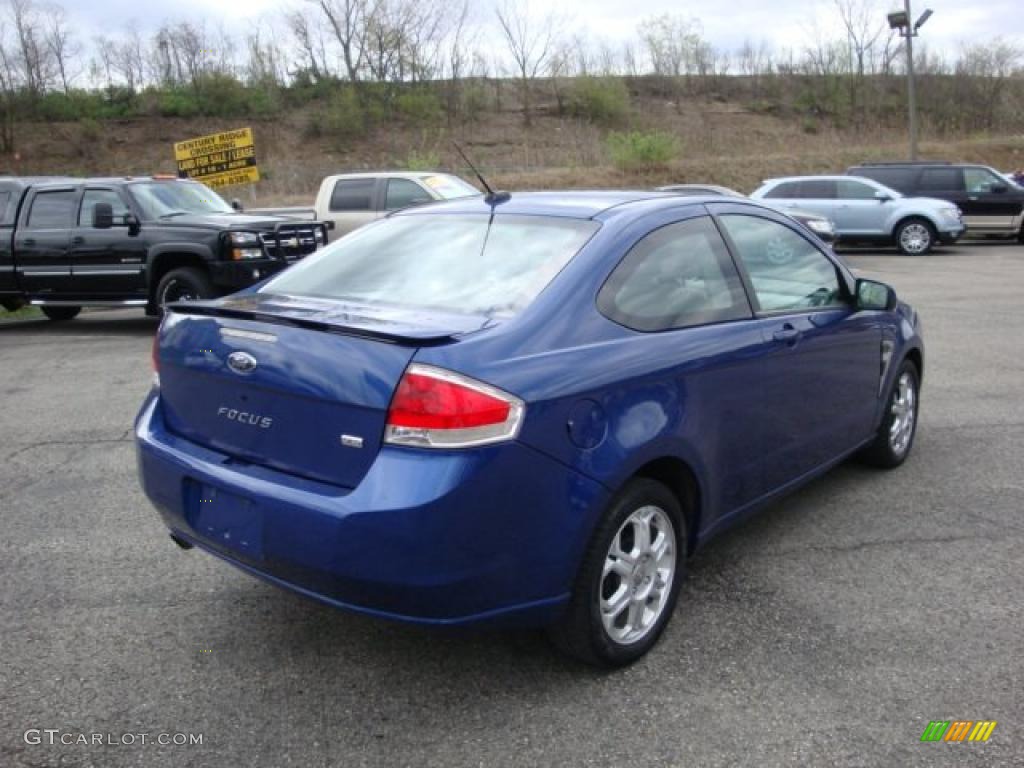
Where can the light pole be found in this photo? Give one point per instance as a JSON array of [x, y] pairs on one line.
[[901, 20]]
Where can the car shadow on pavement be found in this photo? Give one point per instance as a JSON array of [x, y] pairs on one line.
[[87, 324]]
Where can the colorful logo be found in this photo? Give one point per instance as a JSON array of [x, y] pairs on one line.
[[958, 730]]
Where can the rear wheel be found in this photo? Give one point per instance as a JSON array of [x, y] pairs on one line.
[[183, 284], [629, 581], [895, 435], [59, 314], [915, 237]]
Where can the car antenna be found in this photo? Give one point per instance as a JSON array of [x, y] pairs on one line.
[[492, 197]]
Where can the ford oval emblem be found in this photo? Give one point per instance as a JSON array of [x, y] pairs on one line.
[[242, 362]]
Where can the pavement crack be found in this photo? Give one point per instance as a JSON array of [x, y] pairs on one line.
[[49, 443]]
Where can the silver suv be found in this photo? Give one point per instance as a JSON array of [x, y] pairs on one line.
[[864, 211]]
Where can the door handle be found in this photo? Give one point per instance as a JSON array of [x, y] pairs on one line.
[[787, 334], [77, 240], [29, 241]]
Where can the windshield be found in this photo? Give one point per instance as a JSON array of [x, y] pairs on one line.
[[450, 187], [161, 199], [473, 264]]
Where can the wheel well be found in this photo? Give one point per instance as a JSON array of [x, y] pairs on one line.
[[165, 262], [914, 356], [677, 476]]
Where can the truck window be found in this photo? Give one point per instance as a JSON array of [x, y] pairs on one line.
[[6, 216], [900, 179], [93, 196], [53, 210], [353, 195], [402, 193], [941, 179]]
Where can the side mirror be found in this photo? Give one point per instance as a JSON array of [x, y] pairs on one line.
[[1000, 188], [882, 197], [132, 222], [102, 216], [237, 204], [875, 296]]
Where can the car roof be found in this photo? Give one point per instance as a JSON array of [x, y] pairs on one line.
[[815, 177], [386, 174], [576, 204]]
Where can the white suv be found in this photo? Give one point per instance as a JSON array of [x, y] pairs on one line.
[[864, 211], [351, 200]]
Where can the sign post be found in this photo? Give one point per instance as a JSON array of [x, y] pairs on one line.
[[220, 159]]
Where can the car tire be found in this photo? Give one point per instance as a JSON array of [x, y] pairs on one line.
[[895, 436], [642, 583], [915, 237], [60, 314], [183, 284]]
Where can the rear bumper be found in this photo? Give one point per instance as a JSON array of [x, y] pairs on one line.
[[491, 535]]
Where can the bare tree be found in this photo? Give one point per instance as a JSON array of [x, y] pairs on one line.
[[33, 55], [61, 44], [309, 36], [530, 41], [349, 21]]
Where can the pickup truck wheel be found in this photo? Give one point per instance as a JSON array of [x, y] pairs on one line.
[[184, 284], [915, 237], [58, 314]]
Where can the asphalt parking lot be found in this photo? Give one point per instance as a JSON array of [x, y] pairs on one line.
[[827, 631]]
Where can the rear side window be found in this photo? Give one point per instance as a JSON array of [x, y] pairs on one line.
[[787, 272], [900, 179], [787, 189], [818, 189], [470, 264], [677, 276], [6, 209], [941, 180], [402, 193], [353, 195], [53, 210]]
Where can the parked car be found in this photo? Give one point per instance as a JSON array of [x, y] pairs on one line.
[[864, 211], [528, 412], [818, 224], [351, 200], [990, 205], [134, 242]]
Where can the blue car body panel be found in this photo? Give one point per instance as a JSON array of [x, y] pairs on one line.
[[498, 532]]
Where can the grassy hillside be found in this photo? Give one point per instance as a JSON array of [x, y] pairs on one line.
[[727, 138]]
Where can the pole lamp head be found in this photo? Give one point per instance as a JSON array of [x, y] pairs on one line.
[[898, 20], [924, 17]]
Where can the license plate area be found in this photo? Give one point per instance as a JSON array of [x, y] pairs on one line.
[[224, 519]]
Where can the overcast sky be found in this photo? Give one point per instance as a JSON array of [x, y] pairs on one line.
[[783, 23]]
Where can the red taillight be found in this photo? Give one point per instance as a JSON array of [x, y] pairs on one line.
[[436, 408]]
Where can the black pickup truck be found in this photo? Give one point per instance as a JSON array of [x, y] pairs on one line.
[[143, 242]]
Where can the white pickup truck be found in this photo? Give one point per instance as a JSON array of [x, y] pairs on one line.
[[350, 200]]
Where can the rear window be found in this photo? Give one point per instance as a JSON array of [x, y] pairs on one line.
[[471, 264], [353, 195], [788, 189]]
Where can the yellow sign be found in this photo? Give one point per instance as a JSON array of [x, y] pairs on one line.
[[220, 159]]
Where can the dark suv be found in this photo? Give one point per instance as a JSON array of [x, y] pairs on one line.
[[990, 203], [67, 243]]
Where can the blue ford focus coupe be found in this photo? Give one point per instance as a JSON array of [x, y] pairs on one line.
[[524, 410]]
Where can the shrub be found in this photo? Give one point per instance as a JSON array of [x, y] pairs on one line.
[[475, 101], [602, 100], [419, 106], [344, 118], [428, 160], [636, 150], [177, 102]]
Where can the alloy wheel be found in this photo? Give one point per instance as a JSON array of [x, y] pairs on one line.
[[639, 570], [915, 238], [904, 413]]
